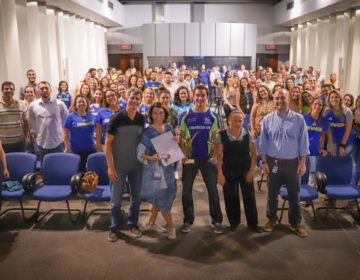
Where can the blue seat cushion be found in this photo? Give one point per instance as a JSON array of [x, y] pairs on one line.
[[342, 192], [307, 193], [6, 195], [100, 194], [53, 193]]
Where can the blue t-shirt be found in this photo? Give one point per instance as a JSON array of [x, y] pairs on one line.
[[65, 97], [82, 130], [201, 128], [337, 125], [180, 108], [94, 109], [154, 85], [103, 119], [123, 104], [315, 129]]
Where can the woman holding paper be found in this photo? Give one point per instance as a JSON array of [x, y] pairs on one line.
[[158, 181]]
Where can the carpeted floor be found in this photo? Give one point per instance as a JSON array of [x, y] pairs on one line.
[[58, 249]]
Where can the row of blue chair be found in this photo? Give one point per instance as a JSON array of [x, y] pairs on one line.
[[333, 179], [60, 182]]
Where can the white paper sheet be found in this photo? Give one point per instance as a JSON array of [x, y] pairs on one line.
[[165, 144]]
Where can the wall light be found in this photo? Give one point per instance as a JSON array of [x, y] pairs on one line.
[[32, 4]]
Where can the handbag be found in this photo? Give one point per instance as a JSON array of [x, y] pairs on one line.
[[89, 181]]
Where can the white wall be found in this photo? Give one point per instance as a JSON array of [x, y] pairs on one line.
[[177, 13], [137, 15], [56, 46]]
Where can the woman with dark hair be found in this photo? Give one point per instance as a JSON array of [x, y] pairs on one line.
[[158, 181], [140, 83], [226, 77], [244, 101], [111, 107], [289, 83], [79, 128], [85, 91], [97, 104], [182, 100], [131, 82], [349, 100], [104, 84], [122, 96], [164, 98], [317, 126], [64, 94]]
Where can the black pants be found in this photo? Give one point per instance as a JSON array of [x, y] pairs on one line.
[[232, 200]]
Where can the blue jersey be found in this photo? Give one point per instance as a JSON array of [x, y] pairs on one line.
[[180, 108], [201, 128], [94, 109], [315, 129], [123, 104], [81, 130], [65, 97], [154, 85], [103, 119], [337, 125]]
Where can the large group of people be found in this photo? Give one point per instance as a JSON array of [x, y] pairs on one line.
[[279, 117]]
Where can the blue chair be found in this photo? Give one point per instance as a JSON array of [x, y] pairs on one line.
[[307, 193], [334, 180], [97, 162], [58, 170], [22, 167]]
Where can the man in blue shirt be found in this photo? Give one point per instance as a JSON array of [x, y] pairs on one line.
[[284, 146], [198, 128], [204, 76]]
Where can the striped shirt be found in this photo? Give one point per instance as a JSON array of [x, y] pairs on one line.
[[11, 121]]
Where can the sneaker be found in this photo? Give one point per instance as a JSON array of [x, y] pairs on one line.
[[300, 231], [112, 237], [135, 232], [268, 227], [186, 228], [154, 227], [218, 228], [171, 233]]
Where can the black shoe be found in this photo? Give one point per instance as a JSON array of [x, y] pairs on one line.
[[233, 227], [256, 229]]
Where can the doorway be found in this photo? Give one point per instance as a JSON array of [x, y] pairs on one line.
[[126, 61], [265, 60]]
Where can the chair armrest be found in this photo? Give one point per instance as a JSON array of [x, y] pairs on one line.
[[75, 182], [321, 181], [29, 181]]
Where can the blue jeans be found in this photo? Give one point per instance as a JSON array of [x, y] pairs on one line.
[[117, 190], [41, 152], [285, 175], [209, 173]]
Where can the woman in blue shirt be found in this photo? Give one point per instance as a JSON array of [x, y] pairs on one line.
[[111, 107], [64, 94], [148, 99], [122, 96], [182, 100], [98, 103], [158, 181], [79, 127]]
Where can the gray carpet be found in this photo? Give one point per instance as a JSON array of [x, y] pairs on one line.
[[58, 249]]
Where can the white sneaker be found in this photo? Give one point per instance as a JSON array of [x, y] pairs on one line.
[[154, 227], [171, 235]]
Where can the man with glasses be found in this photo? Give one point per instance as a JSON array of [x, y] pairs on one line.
[[14, 123], [46, 117]]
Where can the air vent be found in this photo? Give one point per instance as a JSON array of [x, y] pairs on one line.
[[111, 5], [101, 1], [290, 5]]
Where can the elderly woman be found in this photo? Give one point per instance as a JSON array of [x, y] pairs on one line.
[[158, 181], [79, 128]]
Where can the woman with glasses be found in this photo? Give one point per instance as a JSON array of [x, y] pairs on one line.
[[111, 107]]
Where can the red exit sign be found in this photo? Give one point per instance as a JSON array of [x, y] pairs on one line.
[[125, 46], [271, 46]]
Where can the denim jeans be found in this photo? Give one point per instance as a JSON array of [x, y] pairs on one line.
[[117, 190], [41, 152], [286, 175], [209, 173]]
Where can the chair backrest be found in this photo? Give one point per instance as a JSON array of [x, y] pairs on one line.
[[58, 168], [97, 162], [338, 170], [20, 164]]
